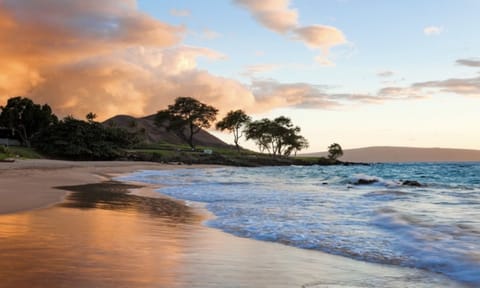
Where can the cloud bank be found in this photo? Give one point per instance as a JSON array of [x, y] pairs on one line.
[[469, 87], [110, 58]]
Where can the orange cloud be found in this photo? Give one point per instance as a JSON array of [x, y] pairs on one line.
[[321, 37], [277, 16], [40, 38], [110, 58], [273, 14]]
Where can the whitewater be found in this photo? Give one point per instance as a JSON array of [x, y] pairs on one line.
[[421, 215]]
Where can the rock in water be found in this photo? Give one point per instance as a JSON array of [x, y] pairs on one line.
[[365, 181], [412, 183]]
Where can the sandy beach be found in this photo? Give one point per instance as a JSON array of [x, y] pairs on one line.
[[110, 238], [29, 184]]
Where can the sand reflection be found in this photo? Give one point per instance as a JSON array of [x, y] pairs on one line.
[[126, 243]]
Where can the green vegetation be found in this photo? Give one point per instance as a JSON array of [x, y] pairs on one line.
[[187, 117], [25, 118], [277, 137], [4, 152], [334, 151], [24, 152], [13, 152], [233, 122], [91, 117], [80, 140], [221, 156], [75, 139]]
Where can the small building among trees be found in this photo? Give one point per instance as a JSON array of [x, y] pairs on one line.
[[7, 137]]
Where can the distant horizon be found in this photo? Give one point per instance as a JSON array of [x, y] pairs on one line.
[[386, 146], [389, 154]]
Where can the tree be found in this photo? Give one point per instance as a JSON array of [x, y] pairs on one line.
[[91, 117], [187, 116], [334, 151], [295, 144], [233, 122], [81, 140], [277, 137], [25, 118]]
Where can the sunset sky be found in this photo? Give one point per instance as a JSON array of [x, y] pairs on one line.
[[360, 73]]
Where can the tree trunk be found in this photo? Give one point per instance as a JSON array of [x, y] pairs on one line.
[[235, 139], [23, 136], [190, 138]]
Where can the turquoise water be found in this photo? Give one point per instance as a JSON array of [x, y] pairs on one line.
[[434, 226]]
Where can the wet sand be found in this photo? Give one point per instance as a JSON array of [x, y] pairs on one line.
[[29, 184], [102, 236]]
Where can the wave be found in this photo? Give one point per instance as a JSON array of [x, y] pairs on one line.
[[448, 249], [433, 224]]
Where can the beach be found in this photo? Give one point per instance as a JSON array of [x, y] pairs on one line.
[[68, 224]]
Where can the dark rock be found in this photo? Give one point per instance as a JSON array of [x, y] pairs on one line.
[[412, 183], [365, 181]]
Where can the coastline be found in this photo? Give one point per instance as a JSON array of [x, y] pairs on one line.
[[204, 256]]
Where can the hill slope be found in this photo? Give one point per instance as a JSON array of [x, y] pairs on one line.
[[406, 154], [154, 134]]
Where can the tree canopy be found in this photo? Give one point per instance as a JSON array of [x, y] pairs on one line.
[[91, 117], [335, 151], [233, 122], [26, 118], [187, 116], [277, 137], [80, 140]]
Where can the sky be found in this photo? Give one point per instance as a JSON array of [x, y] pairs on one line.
[[358, 73]]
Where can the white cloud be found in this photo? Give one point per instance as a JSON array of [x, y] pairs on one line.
[[432, 30]]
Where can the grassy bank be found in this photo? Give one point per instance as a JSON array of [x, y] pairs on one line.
[[16, 152], [183, 154], [169, 153]]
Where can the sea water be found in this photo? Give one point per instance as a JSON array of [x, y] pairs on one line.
[[432, 225]]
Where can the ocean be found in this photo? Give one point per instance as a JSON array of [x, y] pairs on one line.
[[419, 215]]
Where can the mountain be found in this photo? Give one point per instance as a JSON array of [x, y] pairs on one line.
[[154, 134], [405, 154]]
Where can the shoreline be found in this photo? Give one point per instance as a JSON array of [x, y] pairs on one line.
[[276, 265], [19, 179]]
